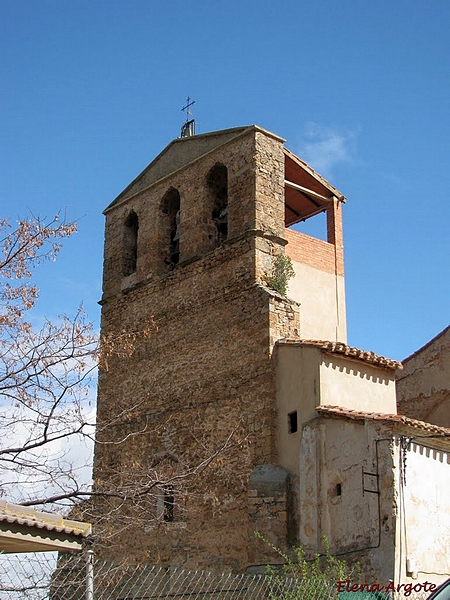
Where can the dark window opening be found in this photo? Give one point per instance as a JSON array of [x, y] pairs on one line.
[[292, 422], [169, 504], [218, 185], [171, 211], [338, 489], [130, 234]]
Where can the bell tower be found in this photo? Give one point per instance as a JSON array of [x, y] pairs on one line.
[[189, 246]]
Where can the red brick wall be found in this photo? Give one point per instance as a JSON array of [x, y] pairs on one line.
[[325, 256]]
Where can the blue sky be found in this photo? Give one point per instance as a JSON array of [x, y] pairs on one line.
[[91, 92]]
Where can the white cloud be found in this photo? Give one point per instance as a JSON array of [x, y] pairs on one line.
[[57, 466], [323, 147]]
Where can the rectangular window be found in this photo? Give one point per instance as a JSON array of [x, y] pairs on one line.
[[169, 503], [292, 422]]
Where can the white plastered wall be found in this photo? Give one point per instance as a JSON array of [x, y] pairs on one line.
[[322, 303], [356, 385], [355, 519], [423, 528], [308, 377]]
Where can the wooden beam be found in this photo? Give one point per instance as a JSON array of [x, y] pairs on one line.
[[304, 190]]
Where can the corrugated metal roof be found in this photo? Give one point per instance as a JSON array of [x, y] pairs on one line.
[[30, 517]]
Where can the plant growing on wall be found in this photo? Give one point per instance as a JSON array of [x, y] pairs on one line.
[[282, 271]]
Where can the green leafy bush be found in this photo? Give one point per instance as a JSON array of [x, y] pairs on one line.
[[310, 579], [282, 271]]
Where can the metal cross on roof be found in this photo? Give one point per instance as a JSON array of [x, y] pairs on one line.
[[189, 103], [188, 128]]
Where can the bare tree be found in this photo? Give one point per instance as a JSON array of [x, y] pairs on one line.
[[47, 377], [45, 374], [47, 398]]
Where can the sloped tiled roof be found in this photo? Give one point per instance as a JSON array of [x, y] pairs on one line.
[[349, 351], [355, 415], [25, 515]]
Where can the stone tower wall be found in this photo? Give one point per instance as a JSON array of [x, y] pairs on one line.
[[204, 373]]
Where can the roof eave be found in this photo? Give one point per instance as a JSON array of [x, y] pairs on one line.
[[345, 351], [400, 423], [302, 164]]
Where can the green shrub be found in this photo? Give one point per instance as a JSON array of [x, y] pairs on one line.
[[310, 579], [282, 271]]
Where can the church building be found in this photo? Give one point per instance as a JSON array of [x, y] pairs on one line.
[[236, 405]]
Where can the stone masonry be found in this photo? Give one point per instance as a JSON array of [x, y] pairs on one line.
[[188, 246]]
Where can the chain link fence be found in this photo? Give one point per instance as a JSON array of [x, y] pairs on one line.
[[49, 576]]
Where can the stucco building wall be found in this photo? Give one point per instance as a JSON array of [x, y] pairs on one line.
[[357, 385], [321, 297], [346, 494], [342, 472], [423, 493], [380, 497], [307, 377]]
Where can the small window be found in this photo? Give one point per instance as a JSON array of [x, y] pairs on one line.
[[338, 489], [292, 422], [170, 228], [129, 251], [218, 186], [169, 503]]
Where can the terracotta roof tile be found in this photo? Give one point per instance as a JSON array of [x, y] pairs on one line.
[[349, 351], [356, 415]]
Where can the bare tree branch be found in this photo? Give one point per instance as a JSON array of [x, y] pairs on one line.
[[47, 402]]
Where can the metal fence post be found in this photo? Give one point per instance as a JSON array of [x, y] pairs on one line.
[[89, 575]]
